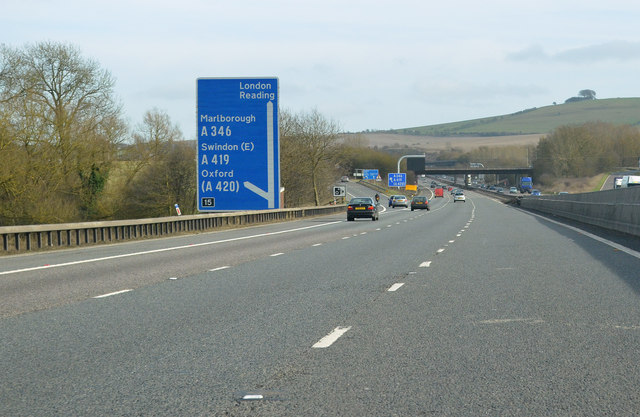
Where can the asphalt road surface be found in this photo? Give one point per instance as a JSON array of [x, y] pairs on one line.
[[468, 309]]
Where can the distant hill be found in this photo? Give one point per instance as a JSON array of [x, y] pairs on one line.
[[541, 120]]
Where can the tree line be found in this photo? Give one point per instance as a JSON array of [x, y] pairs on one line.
[[67, 154], [66, 151]]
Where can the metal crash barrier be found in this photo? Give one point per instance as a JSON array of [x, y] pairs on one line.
[[21, 239]]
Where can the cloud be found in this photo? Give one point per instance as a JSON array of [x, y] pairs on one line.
[[608, 51], [615, 50]]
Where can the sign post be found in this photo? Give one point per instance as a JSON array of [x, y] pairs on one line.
[[339, 191], [238, 146]]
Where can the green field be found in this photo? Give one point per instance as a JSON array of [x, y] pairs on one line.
[[541, 120]]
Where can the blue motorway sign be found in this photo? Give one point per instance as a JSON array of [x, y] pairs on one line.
[[397, 179], [369, 174], [238, 147]]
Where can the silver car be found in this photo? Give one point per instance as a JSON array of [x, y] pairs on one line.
[[398, 201]]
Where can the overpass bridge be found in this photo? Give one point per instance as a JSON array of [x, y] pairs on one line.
[[468, 170]]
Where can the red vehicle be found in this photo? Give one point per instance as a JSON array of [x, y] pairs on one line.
[[439, 192]]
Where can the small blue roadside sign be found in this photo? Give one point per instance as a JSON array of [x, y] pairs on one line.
[[397, 179], [369, 174], [238, 146]]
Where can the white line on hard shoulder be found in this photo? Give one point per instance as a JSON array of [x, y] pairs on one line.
[[330, 339], [189, 246], [111, 293]]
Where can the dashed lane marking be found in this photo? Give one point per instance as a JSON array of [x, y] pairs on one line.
[[331, 338], [112, 293]]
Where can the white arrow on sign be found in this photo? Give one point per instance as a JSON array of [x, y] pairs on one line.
[[267, 195]]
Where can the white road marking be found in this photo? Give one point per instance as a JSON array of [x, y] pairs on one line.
[[189, 246], [627, 327], [219, 268], [111, 293], [276, 254], [330, 339], [395, 286], [517, 320], [459, 234], [346, 237], [253, 397], [425, 264], [317, 244], [451, 241], [440, 250]]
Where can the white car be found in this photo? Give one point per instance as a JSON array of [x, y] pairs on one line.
[[459, 196]]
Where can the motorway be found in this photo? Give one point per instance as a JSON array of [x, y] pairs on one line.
[[469, 309]]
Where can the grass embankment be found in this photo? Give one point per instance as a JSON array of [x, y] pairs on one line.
[[542, 120]]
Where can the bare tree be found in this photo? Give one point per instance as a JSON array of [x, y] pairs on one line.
[[66, 123], [161, 169], [311, 139]]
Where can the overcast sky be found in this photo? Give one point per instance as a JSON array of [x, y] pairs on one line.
[[365, 64]]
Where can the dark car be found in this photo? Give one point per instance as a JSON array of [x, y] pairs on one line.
[[419, 202], [362, 207]]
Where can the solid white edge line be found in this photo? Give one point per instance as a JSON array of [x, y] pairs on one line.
[[395, 286], [614, 245], [330, 339], [191, 245], [112, 293]]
